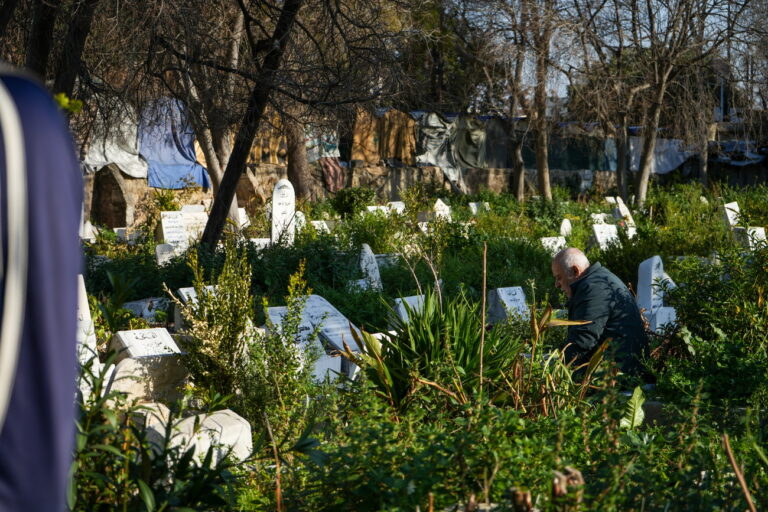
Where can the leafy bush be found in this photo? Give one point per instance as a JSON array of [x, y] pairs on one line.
[[350, 201]]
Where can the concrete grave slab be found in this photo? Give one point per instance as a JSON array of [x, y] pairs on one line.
[[143, 343], [605, 235], [149, 379]]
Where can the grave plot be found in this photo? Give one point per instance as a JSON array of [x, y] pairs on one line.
[[283, 213], [652, 282], [604, 235]]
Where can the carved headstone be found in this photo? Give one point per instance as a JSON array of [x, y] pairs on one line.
[[503, 301], [605, 235], [283, 213], [554, 244], [370, 268], [174, 231], [140, 343]]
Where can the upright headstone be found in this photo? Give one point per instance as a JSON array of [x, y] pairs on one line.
[[147, 308], [87, 352], [750, 238], [651, 280], [260, 243], [622, 213], [397, 206], [186, 296], [243, 218], [283, 213], [731, 214], [610, 199], [174, 230], [377, 209], [663, 317], [149, 379], [193, 208], [370, 268], [414, 303], [554, 244], [195, 222], [502, 301], [475, 208], [605, 235], [442, 210], [566, 228], [320, 226], [164, 253]]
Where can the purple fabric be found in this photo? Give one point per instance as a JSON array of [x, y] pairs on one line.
[[167, 143], [36, 441]]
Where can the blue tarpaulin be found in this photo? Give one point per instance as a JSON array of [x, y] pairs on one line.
[[167, 143]]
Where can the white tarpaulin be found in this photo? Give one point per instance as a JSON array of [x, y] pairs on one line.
[[436, 143], [117, 145], [668, 155]]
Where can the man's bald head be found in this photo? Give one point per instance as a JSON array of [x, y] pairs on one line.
[[568, 266]]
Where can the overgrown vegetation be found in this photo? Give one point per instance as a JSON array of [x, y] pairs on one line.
[[446, 411]]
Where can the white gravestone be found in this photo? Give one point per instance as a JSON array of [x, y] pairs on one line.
[[370, 268], [86, 337], [651, 283], [610, 199], [750, 238], [605, 235], [140, 343], [554, 244], [146, 308], [502, 301], [397, 207], [186, 296], [442, 210], [243, 218], [622, 213], [194, 223], [223, 432], [731, 214], [326, 366], [260, 243], [283, 213], [377, 209], [663, 317], [566, 228], [164, 253], [414, 303], [601, 218], [476, 208], [300, 221], [193, 208], [149, 379], [320, 226], [174, 230]]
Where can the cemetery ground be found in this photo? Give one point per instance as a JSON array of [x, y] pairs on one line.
[[348, 399]]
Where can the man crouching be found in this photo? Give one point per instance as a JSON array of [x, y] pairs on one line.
[[598, 296]]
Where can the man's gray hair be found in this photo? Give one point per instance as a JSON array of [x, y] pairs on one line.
[[571, 257]]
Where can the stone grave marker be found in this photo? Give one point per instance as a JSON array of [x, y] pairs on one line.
[[387, 260], [140, 343], [566, 228], [414, 302], [662, 317], [651, 280], [750, 238], [283, 213], [128, 235], [605, 235], [554, 244], [186, 295], [442, 210], [193, 208], [320, 226], [225, 432], [243, 218], [164, 253], [370, 268], [601, 218], [87, 352], [731, 214], [397, 206], [377, 209], [260, 243], [622, 213], [149, 379], [502, 301], [610, 199], [174, 230], [300, 221], [146, 308], [195, 224], [475, 208]]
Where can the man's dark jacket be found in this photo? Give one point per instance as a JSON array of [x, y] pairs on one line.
[[601, 297]]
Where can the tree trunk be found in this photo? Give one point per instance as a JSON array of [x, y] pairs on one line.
[[540, 98], [298, 167], [41, 36], [518, 166], [70, 61], [649, 143], [6, 14], [704, 159], [257, 102], [622, 153]]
